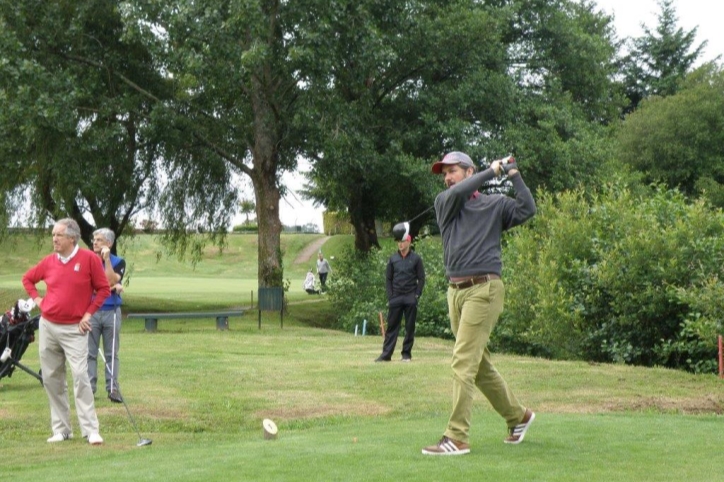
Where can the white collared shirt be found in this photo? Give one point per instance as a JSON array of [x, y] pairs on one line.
[[65, 260]]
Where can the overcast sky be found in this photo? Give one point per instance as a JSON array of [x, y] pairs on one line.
[[629, 15], [706, 15]]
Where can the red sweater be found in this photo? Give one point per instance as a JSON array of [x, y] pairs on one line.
[[70, 286]]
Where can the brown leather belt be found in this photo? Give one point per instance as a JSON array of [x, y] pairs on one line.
[[475, 280]]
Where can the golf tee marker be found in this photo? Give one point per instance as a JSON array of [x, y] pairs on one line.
[[270, 429]]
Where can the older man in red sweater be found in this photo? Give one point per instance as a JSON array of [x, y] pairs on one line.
[[76, 288]]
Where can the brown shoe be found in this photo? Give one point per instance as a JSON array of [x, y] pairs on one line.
[[517, 433], [447, 446]]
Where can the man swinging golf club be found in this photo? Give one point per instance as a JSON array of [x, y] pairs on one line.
[[106, 322], [471, 225]]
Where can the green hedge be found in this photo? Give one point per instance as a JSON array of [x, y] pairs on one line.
[[616, 278], [358, 289], [610, 276]]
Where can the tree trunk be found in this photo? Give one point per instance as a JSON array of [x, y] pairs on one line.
[[267, 195], [264, 177], [362, 217]]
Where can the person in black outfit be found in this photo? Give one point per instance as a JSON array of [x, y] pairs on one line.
[[405, 281]]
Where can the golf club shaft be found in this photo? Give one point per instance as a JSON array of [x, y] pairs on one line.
[[507, 163], [123, 400], [113, 347], [425, 211]]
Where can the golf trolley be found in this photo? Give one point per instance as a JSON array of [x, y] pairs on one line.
[[17, 331]]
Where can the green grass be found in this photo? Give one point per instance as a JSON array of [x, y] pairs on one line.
[[201, 395], [224, 278], [145, 257]]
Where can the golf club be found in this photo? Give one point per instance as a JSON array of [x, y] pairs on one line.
[[141, 441], [113, 348], [401, 230]]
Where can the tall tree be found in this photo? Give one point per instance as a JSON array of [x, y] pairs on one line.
[[679, 139], [562, 56], [532, 78], [659, 59], [247, 207], [221, 92], [77, 132], [235, 94], [404, 82]]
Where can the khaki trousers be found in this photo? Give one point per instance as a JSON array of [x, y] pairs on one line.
[[474, 312], [58, 344]]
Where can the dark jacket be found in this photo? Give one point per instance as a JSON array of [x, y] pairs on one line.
[[471, 223], [405, 278]]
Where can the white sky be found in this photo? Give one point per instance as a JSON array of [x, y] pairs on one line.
[[293, 210], [704, 14], [707, 15]]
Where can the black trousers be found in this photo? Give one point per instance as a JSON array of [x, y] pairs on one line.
[[323, 280], [394, 319]]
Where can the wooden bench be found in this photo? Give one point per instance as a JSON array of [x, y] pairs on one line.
[[222, 317]]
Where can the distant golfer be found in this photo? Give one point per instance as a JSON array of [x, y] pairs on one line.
[[106, 322], [405, 280], [471, 225], [72, 277], [323, 270]]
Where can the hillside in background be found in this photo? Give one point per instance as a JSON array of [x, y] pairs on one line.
[[224, 277]]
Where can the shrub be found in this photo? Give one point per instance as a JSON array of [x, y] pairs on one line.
[[609, 276], [615, 277], [148, 226], [358, 289], [245, 228]]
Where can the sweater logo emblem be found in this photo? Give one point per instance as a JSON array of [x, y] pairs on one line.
[[77, 267]]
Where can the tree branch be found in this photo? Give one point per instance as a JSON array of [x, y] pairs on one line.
[[223, 153]]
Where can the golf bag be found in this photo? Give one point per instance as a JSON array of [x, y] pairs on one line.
[[17, 331]]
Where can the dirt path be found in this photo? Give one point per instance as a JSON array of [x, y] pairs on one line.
[[310, 250]]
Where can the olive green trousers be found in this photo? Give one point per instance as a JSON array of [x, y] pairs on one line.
[[474, 312]]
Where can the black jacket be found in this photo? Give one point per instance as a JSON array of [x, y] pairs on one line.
[[405, 278]]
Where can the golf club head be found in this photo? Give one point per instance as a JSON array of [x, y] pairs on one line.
[[143, 442], [26, 306], [508, 163], [401, 230]]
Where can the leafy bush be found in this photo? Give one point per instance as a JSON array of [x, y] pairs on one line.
[[616, 277], [245, 228], [148, 226], [358, 289], [610, 276]]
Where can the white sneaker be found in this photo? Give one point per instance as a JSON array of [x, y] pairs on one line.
[[95, 439], [60, 437], [517, 433]]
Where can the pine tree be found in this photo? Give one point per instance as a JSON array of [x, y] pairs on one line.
[[659, 60]]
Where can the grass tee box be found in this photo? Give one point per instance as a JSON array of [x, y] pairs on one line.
[[222, 317]]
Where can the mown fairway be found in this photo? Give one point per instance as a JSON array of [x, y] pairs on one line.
[[224, 277], [201, 394]]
